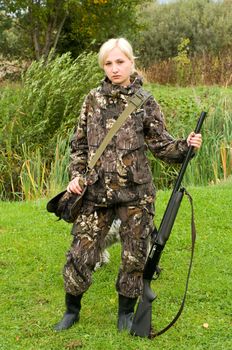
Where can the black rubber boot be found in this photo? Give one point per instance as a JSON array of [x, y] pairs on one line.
[[72, 313], [125, 312]]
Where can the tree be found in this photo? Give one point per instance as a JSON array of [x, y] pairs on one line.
[[84, 23], [208, 25], [5, 24], [98, 20], [41, 21]]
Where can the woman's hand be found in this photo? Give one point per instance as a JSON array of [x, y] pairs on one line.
[[194, 140], [74, 186]]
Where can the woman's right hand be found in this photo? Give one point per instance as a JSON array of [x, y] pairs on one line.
[[74, 186]]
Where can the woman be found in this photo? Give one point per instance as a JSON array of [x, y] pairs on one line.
[[120, 185]]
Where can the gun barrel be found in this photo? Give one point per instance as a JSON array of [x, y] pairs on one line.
[[189, 154], [169, 217]]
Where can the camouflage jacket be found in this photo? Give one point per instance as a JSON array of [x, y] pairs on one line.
[[124, 159]]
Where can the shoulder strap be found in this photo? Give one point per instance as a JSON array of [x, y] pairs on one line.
[[135, 102]]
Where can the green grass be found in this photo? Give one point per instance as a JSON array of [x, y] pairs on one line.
[[33, 247]]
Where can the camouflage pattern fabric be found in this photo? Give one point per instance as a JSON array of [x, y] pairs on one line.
[[124, 161], [89, 231], [120, 185]]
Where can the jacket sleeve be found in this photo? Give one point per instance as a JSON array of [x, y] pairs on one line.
[[159, 141], [79, 143]]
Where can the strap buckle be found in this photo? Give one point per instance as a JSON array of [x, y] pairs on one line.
[[139, 97]]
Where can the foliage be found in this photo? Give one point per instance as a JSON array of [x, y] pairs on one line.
[[79, 25], [207, 24], [182, 57], [46, 105], [96, 21], [182, 107], [155, 29], [35, 149], [5, 25], [40, 22], [182, 60], [33, 244], [52, 95]]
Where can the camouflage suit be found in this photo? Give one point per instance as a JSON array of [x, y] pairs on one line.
[[119, 185]]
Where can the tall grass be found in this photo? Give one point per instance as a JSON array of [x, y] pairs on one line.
[[32, 174], [211, 164], [53, 93], [58, 175], [31, 170], [182, 107], [39, 177], [33, 115], [197, 70]]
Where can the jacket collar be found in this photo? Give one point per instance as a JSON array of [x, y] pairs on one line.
[[113, 90]]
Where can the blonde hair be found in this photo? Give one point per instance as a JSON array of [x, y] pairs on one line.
[[110, 44]]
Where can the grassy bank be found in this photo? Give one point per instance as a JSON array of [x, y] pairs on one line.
[[38, 117], [33, 247]]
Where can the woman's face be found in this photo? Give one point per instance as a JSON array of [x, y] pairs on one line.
[[118, 67]]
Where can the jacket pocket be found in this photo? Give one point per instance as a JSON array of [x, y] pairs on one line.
[[136, 164]]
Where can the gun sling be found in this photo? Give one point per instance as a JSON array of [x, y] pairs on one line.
[[193, 236]]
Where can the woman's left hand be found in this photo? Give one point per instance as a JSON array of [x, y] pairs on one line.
[[194, 140]]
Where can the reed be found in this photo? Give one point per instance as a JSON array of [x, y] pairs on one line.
[[58, 176], [40, 177], [29, 172], [182, 108], [32, 174], [205, 69], [213, 163]]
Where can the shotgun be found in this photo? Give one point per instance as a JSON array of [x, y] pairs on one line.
[[142, 322]]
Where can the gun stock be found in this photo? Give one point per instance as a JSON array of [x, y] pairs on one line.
[[141, 325], [142, 321]]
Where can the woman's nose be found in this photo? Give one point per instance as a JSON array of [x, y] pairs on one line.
[[114, 68]]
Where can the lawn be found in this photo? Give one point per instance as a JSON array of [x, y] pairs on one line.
[[33, 246]]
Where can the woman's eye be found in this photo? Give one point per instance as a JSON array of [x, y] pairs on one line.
[[107, 63]]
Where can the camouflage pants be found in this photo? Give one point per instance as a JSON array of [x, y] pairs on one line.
[[89, 231]]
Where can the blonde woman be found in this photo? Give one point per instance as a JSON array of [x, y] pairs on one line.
[[120, 185]]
